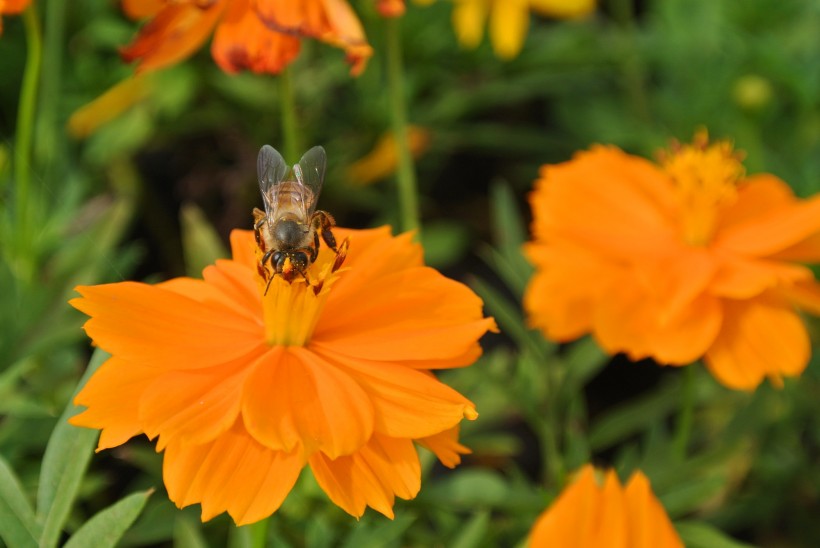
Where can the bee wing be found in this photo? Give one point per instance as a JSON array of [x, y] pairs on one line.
[[271, 170], [310, 172]]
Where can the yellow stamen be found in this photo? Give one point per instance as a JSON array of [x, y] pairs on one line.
[[292, 309], [706, 178]]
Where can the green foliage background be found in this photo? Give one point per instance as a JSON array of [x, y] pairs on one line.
[[154, 193]]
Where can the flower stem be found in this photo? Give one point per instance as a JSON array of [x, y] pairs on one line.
[[406, 175], [287, 107], [25, 120], [259, 533], [685, 413]]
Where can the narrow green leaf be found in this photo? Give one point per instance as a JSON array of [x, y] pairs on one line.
[[697, 534], [66, 458], [475, 532], [188, 533], [200, 242], [107, 526], [18, 526]]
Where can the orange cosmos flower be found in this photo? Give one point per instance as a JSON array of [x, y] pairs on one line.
[[259, 35], [242, 390], [12, 7], [677, 261], [608, 515]]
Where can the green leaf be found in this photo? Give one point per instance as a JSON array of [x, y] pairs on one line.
[[107, 526], [200, 242], [67, 455], [188, 533], [696, 534], [475, 532], [18, 526]]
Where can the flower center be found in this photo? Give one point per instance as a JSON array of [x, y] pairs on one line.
[[706, 179], [292, 309]]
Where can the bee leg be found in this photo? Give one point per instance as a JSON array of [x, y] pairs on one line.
[[324, 222], [267, 286]]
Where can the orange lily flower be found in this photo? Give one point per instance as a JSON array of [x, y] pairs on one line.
[[243, 389], [12, 7], [676, 262], [604, 516], [259, 35]]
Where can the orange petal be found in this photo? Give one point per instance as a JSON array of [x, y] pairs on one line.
[[159, 328], [744, 278], [415, 314], [757, 196], [571, 516], [618, 205], [649, 525], [237, 284], [12, 7], [407, 403], [142, 9], [293, 398], [446, 447], [205, 403], [760, 337], [772, 233], [611, 526], [373, 476], [174, 34], [233, 473], [243, 248], [805, 295], [242, 41], [561, 295], [112, 396]]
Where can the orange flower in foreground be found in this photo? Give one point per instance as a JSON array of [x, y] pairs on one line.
[[12, 7], [608, 515], [259, 35], [243, 390], [679, 261]]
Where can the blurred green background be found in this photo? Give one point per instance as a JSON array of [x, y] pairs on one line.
[[154, 193]]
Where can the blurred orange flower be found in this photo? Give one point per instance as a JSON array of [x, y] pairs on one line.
[[677, 261], [12, 7], [242, 390], [608, 515], [383, 160], [259, 35], [390, 8], [509, 20]]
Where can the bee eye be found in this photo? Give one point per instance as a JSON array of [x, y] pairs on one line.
[[276, 257]]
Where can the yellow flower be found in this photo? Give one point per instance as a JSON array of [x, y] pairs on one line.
[[688, 259], [243, 388], [588, 514], [509, 20], [383, 160]]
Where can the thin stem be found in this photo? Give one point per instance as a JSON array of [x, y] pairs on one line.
[[25, 119], [683, 430], [406, 175], [633, 70], [259, 533], [287, 107]]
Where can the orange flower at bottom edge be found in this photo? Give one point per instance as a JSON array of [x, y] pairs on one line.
[[259, 35], [678, 261], [243, 390], [608, 515], [12, 7]]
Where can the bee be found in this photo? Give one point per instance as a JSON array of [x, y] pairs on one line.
[[287, 232]]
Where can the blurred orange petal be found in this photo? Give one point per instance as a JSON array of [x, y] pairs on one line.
[[383, 469], [110, 105], [390, 8], [446, 447], [605, 516], [174, 34], [762, 337], [142, 9], [383, 160]]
